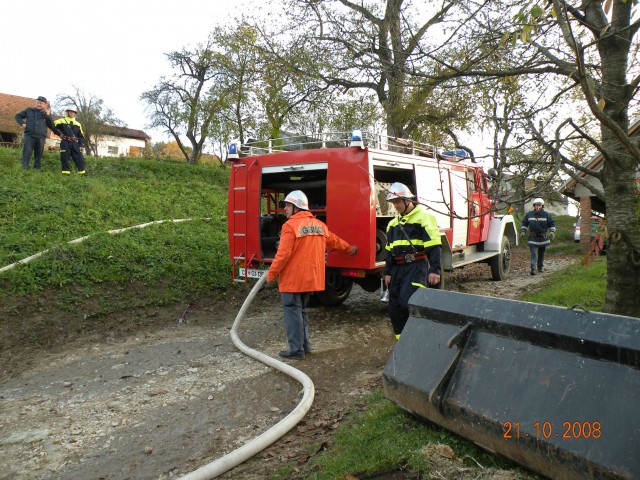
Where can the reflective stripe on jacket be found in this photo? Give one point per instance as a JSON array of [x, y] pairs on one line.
[[538, 222], [423, 235], [70, 127], [300, 260]]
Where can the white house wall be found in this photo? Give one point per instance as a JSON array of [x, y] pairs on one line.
[[582, 191], [107, 146]]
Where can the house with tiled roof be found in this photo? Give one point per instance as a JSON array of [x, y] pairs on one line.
[[9, 128], [111, 142]]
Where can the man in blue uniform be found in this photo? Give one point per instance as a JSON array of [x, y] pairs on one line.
[[413, 253], [35, 122], [542, 229]]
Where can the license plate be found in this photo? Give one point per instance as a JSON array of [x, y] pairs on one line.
[[251, 273]]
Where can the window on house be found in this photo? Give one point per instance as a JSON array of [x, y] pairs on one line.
[[112, 150]]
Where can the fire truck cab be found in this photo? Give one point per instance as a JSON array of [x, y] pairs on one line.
[[345, 182]]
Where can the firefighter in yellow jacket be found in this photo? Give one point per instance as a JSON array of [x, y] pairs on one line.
[[71, 141], [300, 264], [413, 253]]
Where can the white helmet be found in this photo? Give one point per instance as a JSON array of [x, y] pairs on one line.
[[298, 199], [538, 200], [399, 190]]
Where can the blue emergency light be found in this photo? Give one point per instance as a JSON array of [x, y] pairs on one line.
[[233, 151], [455, 153], [356, 138]]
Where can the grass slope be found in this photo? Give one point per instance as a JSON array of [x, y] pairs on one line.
[[42, 210]]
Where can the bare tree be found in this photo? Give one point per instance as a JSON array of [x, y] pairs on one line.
[[561, 52], [96, 118], [269, 91], [186, 103]]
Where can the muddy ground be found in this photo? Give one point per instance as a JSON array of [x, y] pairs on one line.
[[156, 393]]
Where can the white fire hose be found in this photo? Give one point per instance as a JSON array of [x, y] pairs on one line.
[[248, 450], [82, 239]]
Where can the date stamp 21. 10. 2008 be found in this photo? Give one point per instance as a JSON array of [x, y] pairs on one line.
[[546, 430]]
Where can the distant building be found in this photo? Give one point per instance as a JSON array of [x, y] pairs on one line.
[[114, 142], [122, 142], [589, 203]]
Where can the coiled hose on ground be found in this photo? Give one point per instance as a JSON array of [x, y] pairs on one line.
[[248, 450]]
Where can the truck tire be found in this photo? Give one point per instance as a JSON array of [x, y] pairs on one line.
[[381, 244], [337, 289], [501, 263]]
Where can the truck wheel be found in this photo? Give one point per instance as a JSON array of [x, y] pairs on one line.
[[501, 263], [381, 243], [336, 288], [335, 294]]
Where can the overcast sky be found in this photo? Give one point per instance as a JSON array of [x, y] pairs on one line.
[[111, 49]]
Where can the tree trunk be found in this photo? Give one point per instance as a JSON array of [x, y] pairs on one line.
[[193, 158], [623, 252]]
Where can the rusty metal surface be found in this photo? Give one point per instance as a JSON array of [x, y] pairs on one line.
[[554, 389]]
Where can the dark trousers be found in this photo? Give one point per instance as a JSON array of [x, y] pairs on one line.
[[35, 146], [296, 321], [405, 280], [71, 149], [537, 257]]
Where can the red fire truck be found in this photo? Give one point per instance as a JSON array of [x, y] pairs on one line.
[[345, 181]]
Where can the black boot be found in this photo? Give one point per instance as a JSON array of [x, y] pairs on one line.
[[292, 355]]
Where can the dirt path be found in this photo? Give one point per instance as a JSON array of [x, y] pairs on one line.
[[162, 401]]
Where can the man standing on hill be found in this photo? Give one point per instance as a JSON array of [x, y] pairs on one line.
[[35, 122], [542, 229], [72, 140], [300, 263]]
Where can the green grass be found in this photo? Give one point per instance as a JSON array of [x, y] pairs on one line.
[[42, 210], [565, 226], [380, 437], [577, 285]]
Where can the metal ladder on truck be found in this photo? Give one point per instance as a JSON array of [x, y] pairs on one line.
[[238, 220]]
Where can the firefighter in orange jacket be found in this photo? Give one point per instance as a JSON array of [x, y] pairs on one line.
[[300, 264]]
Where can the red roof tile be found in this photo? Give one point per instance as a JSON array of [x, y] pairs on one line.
[[9, 106]]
